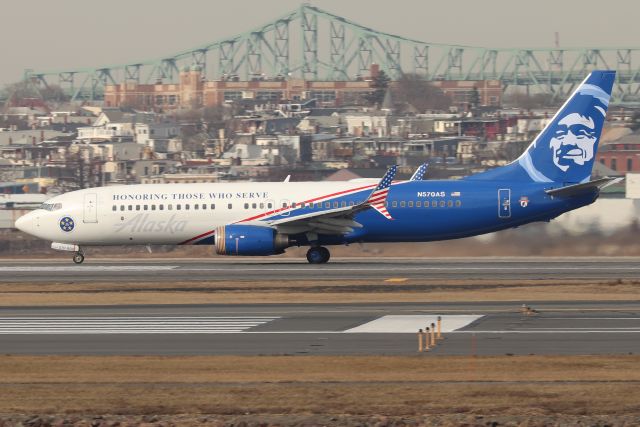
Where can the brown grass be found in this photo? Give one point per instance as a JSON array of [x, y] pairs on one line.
[[318, 385], [319, 291]]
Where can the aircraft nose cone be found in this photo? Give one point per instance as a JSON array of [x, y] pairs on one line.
[[25, 223]]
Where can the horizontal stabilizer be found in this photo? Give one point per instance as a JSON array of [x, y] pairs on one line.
[[586, 187]]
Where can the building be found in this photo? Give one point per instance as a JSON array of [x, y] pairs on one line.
[[622, 156], [193, 91], [461, 92]]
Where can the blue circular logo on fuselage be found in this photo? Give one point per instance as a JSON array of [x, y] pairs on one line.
[[67, 224]]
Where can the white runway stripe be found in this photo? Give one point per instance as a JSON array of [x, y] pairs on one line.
[[411, 323], [128, 325]]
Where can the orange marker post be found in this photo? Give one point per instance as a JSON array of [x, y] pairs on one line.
[[426, 341], [439, 327], [420, 340], [433, 335]]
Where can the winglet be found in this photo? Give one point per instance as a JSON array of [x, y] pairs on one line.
[[419, 173], [378, 197]]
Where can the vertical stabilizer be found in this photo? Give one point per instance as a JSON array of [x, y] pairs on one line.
[[565, 150]]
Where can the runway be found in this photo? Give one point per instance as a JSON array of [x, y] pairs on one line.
[[278, 269], [314, 329]]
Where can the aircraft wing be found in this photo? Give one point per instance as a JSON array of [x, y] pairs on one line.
[[577, 189], [339, 220]]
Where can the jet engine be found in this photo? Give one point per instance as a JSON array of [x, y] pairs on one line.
[[249, 240]]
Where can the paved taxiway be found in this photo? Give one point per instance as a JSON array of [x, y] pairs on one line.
[[307, 329], [167, 270]]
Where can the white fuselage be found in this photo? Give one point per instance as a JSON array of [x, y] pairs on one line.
[[169, 213]]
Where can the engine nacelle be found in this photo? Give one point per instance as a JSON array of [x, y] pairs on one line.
[[249, 240]]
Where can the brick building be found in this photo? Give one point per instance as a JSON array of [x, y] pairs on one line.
[[621, 156], [193, 90], [461, 92]]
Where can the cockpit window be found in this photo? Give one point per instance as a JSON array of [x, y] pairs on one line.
[[51, 206]]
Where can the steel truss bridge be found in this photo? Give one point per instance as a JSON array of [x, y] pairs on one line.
[[314, 44]]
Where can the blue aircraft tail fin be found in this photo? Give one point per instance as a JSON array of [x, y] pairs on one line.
[[565, 150]]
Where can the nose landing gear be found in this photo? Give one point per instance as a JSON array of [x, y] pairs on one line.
[[78, 257], [318, 255]]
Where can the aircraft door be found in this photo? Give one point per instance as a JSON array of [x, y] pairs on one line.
[[90, 208], [504, 203]]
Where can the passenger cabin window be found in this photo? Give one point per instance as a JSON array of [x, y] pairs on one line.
[[458, 203], [442, 203], [137, 207], [178, 207], [130, 207], [403, 204], [153, 207], [410, 204], [418, 204], [196, 206], [246, 205], [115, 208], [213, 206], [394, 204], [186, 207], [230, 206]]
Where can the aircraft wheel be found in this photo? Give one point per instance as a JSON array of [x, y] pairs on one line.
[[78, 258], [325, 255], [318, 255]]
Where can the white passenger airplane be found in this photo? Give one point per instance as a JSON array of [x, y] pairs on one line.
[[551, 177]]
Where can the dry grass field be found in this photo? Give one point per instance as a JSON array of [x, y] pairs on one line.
[[384, 386], [317, 291]]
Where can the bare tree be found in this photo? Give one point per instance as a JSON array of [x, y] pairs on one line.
[[414, 90], [525, 101]]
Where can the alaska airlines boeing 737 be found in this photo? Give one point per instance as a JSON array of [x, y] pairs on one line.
[[551, 177]]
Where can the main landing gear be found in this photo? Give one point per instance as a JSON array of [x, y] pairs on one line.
[[78, 257], [318, 255]]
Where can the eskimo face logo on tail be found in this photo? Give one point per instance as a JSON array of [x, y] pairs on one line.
[[573, 142], [565, 150]]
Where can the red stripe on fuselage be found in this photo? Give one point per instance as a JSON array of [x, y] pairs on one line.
[[262, 215], [275, 211]]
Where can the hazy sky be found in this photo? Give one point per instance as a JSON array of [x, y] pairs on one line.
[[53, 35]]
